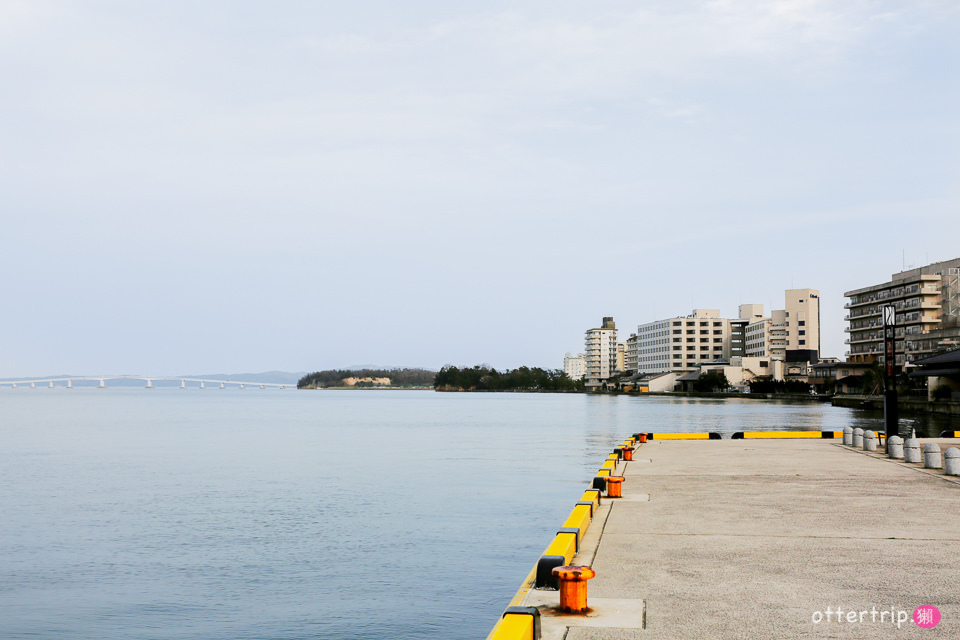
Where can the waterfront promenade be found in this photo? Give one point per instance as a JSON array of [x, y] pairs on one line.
[[766, 539]]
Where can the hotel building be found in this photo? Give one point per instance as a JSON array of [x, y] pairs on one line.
[[575, 366], [683, 342], [927, 302], [601, 354], [791, 334]]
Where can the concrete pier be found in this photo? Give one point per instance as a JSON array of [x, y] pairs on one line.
[[766, 539]]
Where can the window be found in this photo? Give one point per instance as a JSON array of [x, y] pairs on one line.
[[678, 339], [802, 323], [764, 364], [676, 331], [803, 342], [802, 332]]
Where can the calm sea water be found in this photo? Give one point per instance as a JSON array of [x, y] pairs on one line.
[[268, 514]]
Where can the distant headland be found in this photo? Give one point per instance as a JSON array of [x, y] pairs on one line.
[[368, 379]]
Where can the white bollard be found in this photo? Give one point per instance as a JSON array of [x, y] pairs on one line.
[[858, 437], [895, 447], [869, 441], [911, 450], [931, 456], [951, 461], [848, 436]]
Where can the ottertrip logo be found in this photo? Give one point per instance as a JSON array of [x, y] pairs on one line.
[[926, 616]]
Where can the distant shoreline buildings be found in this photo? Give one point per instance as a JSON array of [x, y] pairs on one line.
[[785, 345]]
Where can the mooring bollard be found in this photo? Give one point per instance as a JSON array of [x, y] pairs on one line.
[[643, 438], [895, 447], [869, 441], [848, 436], [911, 450], [951, 461], [613, 486], [573, 587], [628, 453], [931, 456], [858, 437]]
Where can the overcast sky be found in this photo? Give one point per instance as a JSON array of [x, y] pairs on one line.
[[241, 186]]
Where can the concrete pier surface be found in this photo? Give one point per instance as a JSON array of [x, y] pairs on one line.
[[767, 539]]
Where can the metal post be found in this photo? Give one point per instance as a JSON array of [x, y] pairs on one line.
[[891, 419]]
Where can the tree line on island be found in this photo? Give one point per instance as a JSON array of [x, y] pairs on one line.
[[367, 378], [449, 378], [485, 378]]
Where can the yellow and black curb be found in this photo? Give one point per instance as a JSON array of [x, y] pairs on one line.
[[741, 435], [523, 623]]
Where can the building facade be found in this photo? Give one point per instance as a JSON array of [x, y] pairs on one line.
[[927, 303], [681, 343], [791, 334], [601, 354], [575, 366], [630, 355]]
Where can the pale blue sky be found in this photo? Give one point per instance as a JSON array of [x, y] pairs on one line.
[[241, 186]]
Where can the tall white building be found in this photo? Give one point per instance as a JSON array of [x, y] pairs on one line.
[[575, 366], [791, 334], [601, 353], [630, 355], [683, 342]]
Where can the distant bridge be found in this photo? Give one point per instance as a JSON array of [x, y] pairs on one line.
[[51, 382]]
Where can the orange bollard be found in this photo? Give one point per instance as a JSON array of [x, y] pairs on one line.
[[628, 453], [573, 587], [613, 486], [643, 438]]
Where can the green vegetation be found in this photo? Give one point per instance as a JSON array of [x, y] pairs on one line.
[[338, 378], [943, 392], [715, 381], [482, 378]]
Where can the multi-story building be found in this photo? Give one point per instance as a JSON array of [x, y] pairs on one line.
[[630, 355], [574, 366], [682, 343], [600, 353], [927, 302], [791, 334]]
